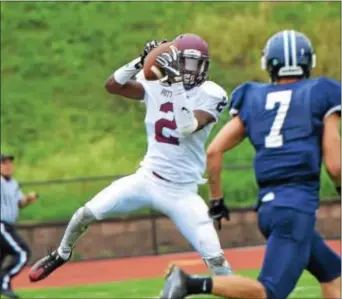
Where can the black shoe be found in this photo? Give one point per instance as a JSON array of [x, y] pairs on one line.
[[9, 293], [175, 284], [44, 267]]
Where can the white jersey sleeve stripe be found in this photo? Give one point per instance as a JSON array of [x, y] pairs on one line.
[[333, 110]]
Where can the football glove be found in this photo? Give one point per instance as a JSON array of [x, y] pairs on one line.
[[218, 210], [149, 46], [169, 62]]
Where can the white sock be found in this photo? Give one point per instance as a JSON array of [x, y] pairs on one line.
[[78, 224], [64, 253]]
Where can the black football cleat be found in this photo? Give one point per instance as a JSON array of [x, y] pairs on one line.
[[45, 266], [9, 294], [175, 284]]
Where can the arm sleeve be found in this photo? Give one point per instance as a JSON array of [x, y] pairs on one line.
[[237, 104], [214, 100]]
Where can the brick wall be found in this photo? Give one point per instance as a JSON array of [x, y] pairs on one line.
[[148, 235]]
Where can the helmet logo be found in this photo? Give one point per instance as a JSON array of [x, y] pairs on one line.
[[192, 53], [275, 62]]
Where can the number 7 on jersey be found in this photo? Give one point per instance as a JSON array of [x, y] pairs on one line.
[[274, 138]]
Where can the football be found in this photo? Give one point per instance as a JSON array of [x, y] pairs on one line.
[[151, 70]]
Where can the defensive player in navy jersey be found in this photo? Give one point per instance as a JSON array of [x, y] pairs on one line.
[[293, 124]]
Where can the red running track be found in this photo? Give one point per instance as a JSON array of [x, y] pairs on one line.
[[102, 271]]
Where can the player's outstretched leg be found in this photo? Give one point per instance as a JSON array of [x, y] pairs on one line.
[[331, 289], [287, 254], [76, 227], [179, 284], [122, 196], [325, 266], [190, 215]]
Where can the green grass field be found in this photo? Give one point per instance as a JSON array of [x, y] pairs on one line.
[[149, 288], [55, 57]]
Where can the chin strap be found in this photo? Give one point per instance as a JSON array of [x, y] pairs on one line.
[[185, 119]]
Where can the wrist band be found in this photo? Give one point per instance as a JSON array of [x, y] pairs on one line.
[[125, 73]]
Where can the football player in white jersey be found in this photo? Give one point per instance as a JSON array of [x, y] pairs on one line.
[[181, 110]]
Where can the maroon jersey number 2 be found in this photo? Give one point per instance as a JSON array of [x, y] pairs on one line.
[[165, 123]]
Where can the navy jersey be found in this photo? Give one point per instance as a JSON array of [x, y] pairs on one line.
[[285, 123]]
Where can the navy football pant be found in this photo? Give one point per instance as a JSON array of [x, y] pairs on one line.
[[293, 246]]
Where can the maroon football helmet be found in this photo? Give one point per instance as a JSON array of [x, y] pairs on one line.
[[193, 58]]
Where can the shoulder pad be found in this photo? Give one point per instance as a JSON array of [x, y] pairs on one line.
[[212, 89], [237, 98], [240, 90], [331, 83], [331, 87]]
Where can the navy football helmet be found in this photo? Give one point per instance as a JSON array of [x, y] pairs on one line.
[[288, 54]]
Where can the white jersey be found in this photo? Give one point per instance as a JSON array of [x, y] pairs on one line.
[[178, 159]]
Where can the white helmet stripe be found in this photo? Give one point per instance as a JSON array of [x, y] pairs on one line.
[[293, 48], [286, 47]]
